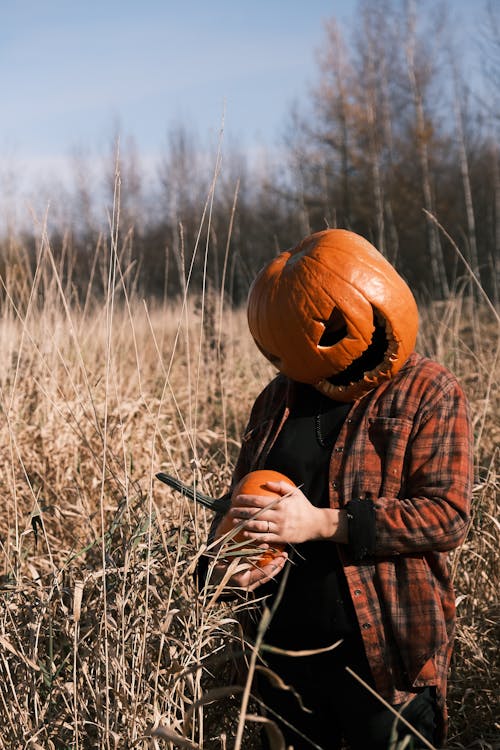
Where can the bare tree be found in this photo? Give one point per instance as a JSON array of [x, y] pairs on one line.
[[459, 99], [377, 75], [334, 106], [490, 55], [423, 134]]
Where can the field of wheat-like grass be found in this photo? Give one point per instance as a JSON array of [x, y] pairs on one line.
[[104, 639]]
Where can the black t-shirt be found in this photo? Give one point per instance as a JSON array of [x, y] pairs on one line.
[[316, 607]]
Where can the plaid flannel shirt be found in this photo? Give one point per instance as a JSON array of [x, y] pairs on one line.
[[408, 445]]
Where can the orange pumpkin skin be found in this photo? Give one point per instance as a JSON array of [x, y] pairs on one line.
[[333, 280], [253, 484]]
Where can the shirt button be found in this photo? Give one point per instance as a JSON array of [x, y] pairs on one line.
[[366, 626], [357, 592]]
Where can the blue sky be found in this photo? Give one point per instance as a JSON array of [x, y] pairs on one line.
[[72, 70]]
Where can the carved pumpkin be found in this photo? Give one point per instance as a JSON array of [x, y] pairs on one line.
[[253, 484], [334, 313]]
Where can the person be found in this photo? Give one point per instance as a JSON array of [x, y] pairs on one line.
[[376, 439]]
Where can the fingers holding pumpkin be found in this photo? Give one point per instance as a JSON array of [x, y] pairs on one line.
[[259, 520], [260, 575], [253, 503], [284, 489], [249, 575], [289, 519], [263, 529], [247, 507]]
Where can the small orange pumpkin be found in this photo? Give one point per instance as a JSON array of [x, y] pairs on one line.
[[254, 484], [334, 313]]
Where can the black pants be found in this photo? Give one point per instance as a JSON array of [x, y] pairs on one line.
[[340, 707]]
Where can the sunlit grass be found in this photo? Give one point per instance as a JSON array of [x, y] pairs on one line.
[[104, 639]]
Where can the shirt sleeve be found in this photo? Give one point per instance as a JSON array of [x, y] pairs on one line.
[[434, 513], [361, 527]]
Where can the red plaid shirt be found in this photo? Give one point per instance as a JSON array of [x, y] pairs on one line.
[[408, 443]]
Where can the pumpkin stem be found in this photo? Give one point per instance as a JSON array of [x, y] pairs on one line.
[[218, 505]]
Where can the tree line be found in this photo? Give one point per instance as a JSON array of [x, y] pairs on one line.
[[397, 140]]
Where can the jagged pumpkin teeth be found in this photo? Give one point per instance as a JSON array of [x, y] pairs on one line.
[[345, 306]]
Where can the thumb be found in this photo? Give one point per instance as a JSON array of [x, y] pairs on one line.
[[281, 488]]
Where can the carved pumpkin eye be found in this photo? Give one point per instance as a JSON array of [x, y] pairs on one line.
[[371, 357], [335, 329]]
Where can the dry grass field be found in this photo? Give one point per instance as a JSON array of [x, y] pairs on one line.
[[104, 640]]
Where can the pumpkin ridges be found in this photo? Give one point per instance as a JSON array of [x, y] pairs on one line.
[[345, 357], [309, 342], [258, 311], [374, 268], [286, 318], [273, 333], [378, 267]]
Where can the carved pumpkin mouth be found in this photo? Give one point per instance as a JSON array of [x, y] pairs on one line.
[[374, 362], [371, 367], [372, 358]]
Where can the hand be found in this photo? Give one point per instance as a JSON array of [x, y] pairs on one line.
[[248, 575], [289, 520]]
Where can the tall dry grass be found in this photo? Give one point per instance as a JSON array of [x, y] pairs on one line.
[[105, 641]]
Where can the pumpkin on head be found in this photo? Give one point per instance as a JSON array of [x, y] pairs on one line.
[[334, 313]]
